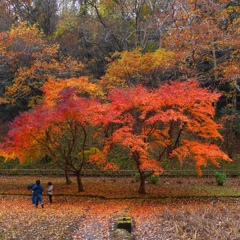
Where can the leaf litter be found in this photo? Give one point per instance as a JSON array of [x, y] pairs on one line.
[[89, 218]]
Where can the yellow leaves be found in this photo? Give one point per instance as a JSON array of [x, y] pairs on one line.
[[91, 151], [107, 7], [134, 66], [8, 155], [32, 60], [66, 23]]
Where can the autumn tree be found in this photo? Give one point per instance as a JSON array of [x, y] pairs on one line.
[[60, 127], [201, 34], [204, 36], [94, 30], [5, 17], [28, 60], [175, 120], [40, 12], [130, 68], [130, 24], [229, 77]]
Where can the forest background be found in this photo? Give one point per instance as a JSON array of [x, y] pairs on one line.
[[108, 44]]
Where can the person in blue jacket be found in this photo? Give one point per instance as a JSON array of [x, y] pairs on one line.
[[37, 192], [29, 187]]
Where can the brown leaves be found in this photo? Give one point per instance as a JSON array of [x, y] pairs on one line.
[[79, 217], [25, 221], [91, 219]]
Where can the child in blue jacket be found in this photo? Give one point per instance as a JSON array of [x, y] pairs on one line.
[[37, 192]]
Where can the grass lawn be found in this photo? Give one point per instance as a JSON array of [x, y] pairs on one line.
[[174, 208], [125, 188]]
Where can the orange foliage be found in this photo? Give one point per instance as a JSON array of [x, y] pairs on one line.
[[177, 116], [53, 88], [145, 120], [43, 129], [200, 153], [31, 60], [201, 32]]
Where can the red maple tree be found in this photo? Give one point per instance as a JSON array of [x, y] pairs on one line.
[[174, 120], [60, 127]]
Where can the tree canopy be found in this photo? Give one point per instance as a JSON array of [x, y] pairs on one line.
[[173, 120], [158, 78], [60, 127]]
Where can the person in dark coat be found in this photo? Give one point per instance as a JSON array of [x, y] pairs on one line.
[[37, 192], [29, 187]]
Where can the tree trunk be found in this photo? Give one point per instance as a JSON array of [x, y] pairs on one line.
[[233, 121], [68, 180], [215, 74], [79, 182], [142, 183]]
